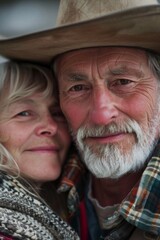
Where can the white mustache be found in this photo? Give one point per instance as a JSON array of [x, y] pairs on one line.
[[130, 126]]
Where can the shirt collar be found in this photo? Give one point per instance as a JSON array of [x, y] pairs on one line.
[[142, 206]]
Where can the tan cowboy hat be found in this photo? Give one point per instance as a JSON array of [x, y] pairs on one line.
[[90, 23]]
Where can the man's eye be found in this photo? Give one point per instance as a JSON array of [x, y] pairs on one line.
[[122, 82], [77, 88]]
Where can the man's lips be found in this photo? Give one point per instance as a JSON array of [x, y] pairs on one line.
[[108, 138]]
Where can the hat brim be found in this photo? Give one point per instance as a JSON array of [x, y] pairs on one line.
[[138, 27]]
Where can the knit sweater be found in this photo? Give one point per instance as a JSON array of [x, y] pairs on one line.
[[25, 216]]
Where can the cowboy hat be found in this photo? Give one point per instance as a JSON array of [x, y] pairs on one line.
[[90, 23]]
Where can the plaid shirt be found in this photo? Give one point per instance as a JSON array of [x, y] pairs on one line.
[[141, 208]]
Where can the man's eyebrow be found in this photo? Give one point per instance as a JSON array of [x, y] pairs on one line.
[[76, 77], [126, 70]]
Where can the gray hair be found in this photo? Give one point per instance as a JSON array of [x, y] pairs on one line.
[[18, 81], [154, 63]]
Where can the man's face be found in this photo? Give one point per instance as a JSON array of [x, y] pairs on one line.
[[109, 97]]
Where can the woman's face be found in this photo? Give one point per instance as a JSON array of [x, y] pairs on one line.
[[35, 132]]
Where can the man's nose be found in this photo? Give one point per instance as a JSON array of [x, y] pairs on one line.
[[47, 126], [103, 107]]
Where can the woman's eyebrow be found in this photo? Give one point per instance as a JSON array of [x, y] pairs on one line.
[[24, 101]]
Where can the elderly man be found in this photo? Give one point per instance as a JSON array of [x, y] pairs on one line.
[[110, 97], [108, 70]]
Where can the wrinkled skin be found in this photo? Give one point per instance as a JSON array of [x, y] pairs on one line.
[[35, 132], [99, 86]]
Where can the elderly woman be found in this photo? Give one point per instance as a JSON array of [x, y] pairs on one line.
[[34, 142]]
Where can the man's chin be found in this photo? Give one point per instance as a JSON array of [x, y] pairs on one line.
[[112, 163], [110, 175], [106, 172]]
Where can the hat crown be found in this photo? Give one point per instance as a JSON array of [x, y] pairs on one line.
[[73, 11]]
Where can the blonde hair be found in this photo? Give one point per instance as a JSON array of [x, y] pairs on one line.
[[18, 81]]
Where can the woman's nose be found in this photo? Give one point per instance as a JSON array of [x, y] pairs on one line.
[[48, 126]]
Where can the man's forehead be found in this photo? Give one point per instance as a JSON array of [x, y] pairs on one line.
[[103, 51], [78, 58]]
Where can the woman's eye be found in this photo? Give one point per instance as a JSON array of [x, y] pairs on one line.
[[58, 115], [24, 114]]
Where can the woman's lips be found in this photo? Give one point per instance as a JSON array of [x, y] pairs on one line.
[[44, 149]]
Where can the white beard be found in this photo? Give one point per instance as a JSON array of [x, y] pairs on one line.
[[108, 160]]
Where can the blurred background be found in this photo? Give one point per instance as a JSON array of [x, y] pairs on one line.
[[19, 17]]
